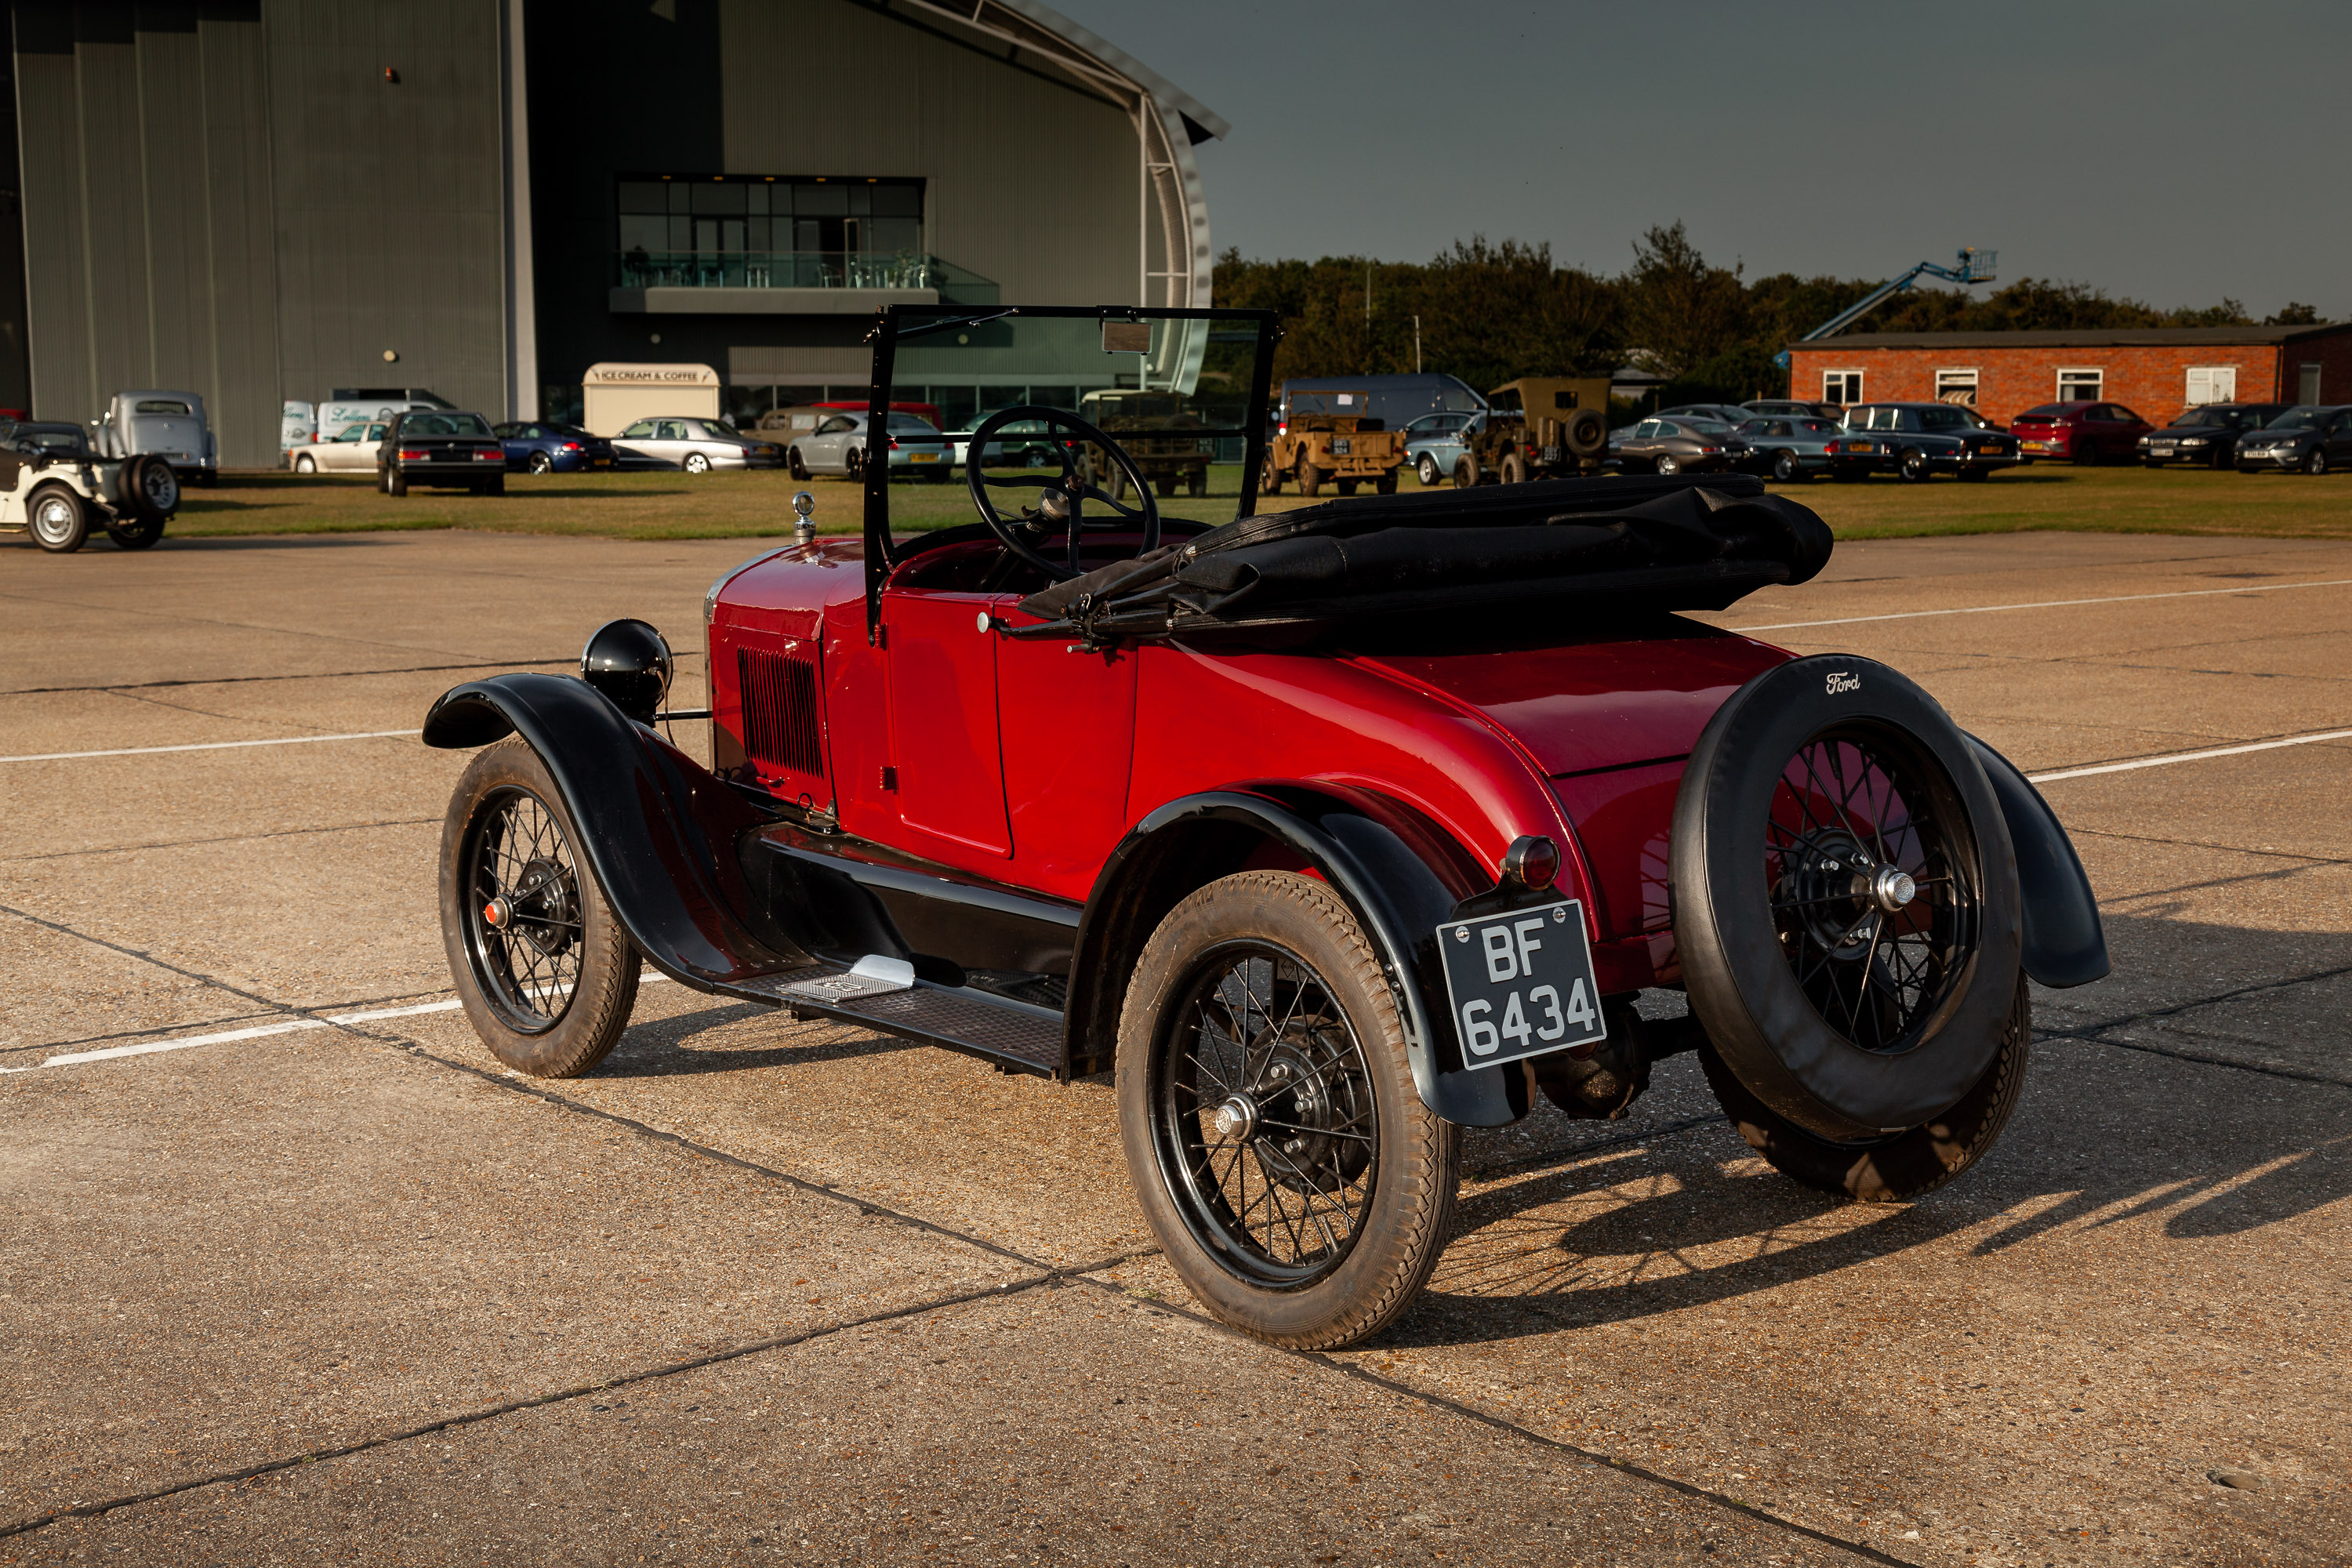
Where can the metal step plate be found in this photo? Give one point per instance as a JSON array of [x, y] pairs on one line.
[[1024, 1039]]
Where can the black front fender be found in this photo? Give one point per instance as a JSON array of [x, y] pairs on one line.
[[2065, 944], [1391, 888], [659, 831]]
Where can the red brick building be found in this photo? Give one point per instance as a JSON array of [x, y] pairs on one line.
[[2155, 372]]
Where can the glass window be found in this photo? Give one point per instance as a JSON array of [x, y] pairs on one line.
[[644, 196], [1842, 386], [718, 199], [161, 405], [836, 424], [2080, 385], [1646, 429], [829, 200], [641, 430], [670, 430], [1957, 386], [444, 425], [1942, 419], [2211, 384]]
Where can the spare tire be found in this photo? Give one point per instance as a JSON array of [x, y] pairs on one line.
[[1846, 901], [146, 487], [1588, 433]]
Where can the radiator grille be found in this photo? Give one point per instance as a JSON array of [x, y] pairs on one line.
[[779, 718]]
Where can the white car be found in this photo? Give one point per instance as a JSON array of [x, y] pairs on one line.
[[54, 487], [697, 446], [838, 446], [350, 450]]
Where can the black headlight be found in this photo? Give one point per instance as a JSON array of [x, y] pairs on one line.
[[629, 662]]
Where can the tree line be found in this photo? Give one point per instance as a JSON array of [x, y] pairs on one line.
[[1490, 312]]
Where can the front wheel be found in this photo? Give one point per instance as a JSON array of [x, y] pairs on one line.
[[1888, 1169], [1311, 478], [796, 464], [1669, 464], [1275, 1140], [540, 463], [1514, 470], [1426, 470], [305, 464], [1784, 466], [2316, 463], [1466, 471], [135, 533], [59, 520], [545, 973]]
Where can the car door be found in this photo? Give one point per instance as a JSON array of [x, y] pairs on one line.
[[2339, 439], [635, 442], [944, 765], [823, 448]]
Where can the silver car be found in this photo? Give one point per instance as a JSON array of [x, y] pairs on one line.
[[171, 425], [350, 450], [838, 446], [697, 446]]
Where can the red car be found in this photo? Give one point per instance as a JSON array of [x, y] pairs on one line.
[[2087, 433], [1331, 831]]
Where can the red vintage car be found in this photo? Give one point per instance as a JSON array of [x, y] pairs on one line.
[[1330, 832]]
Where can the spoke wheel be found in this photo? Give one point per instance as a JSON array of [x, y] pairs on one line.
[[546, 975], [1279, 1149], [1869, 864]]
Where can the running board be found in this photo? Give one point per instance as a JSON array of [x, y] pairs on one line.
[[1016, 1035]]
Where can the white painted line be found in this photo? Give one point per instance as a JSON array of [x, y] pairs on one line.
[[207, 746], [2168, 759], [2032, 604], [259, 1031]]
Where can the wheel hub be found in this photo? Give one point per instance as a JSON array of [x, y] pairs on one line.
[[1237, 1119], [1841, 892], [540, 909], [1293, 1115]]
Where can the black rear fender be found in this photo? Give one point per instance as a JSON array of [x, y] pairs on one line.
[[1399, 876], [660, 832], [2065, 944]]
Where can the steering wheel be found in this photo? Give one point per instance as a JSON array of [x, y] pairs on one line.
[[1061, 503]]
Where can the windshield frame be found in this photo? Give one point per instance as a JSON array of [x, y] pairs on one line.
[[897, 324]]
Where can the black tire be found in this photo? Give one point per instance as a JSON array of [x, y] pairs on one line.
[[2315, 462], [1785, 467], [795, 464], [1669, 464], [1846, 904], [1269, 481], [1915, 467], [2085, 453], [696, 463], [550, 918], [853, 463], [540, 463], [1166, 485], [1887, 1170], [1466, 471], [1426, 471], [135, 533], [305, 464], [146, 487], [1514, 470], [1196, 483], [57, 519], [1345, 487], [1587, 434], [1325, 1081], [1311, 478], [395, 483], [1386, 484]]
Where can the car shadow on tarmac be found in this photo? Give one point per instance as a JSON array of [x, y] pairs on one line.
[[664, 1048]]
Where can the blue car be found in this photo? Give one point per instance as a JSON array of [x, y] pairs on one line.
[[1789, 447], [539, 447], [1433, 441]]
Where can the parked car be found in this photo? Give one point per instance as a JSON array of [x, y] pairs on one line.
[[350, 450], [1434, 443], [695, 445], [541, 447], [1788, 408], [2088, 433], [1678, 445], [2310, 437], [2207, 435], [1363, 823], [1789, 447], [55, 486], [1726, 413], [1017, 444], [171, 425], [446, 448], [1920, 440], [338, 411], [838, 446]]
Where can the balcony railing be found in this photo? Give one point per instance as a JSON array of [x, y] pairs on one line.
[[801, 269]]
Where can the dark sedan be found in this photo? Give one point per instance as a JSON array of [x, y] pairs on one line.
[[2207, 436], [1920, 440], [543, 449], [1791, 408], [437, 446], [2309, 438], [1678, 445], [1789, 448]]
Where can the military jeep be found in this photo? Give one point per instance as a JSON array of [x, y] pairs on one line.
[[1155, 428], [1340, 449], [1538, 427]]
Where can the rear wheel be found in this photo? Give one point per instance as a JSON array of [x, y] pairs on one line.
[[1514, 470], [59, 519], [2316, 461], [135, 533], [1345, 487], [395, 483], [1196, 483], [1311, 478], [1466, 471], [2086, 452], [697, 463], [1915, 466], [1784, 466], [544, 971], [1669, 464], [540, 463], [1280, 1152], [1269, 482], [1386, 484], [1427, 470]]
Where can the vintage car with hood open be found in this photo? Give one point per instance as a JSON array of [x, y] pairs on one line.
[[1330, 832]]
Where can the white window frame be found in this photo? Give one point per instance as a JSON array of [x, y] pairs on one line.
[[1840, 376], [1975, 383], [2220, 381], [2073, 395]]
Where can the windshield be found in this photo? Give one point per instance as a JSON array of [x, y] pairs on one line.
[[907, 424], [33, 439], [2049, 411], [445, 424], [2304, 419]]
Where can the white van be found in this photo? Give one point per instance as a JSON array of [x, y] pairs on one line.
[[298, 425]]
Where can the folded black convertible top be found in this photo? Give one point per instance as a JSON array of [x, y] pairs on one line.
[[1631, 545]]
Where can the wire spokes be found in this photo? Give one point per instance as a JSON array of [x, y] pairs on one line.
[[523, 915]]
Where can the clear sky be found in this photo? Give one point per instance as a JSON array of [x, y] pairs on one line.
[[2172, 153]]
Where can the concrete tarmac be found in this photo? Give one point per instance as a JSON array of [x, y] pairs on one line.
[[758, 1292]]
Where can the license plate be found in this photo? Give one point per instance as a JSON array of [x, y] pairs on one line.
[[1861, 448], [604, 462], [1551, 454], [1521, 983], [1340, 449], [2037, 445], [922, 457]]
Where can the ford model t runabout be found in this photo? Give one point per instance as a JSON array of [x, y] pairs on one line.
[[1330, 832]]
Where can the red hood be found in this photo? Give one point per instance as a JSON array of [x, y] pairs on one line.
[[1596, 705]]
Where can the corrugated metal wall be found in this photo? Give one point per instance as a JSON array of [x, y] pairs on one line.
[[1032, 184], [226, 196]]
